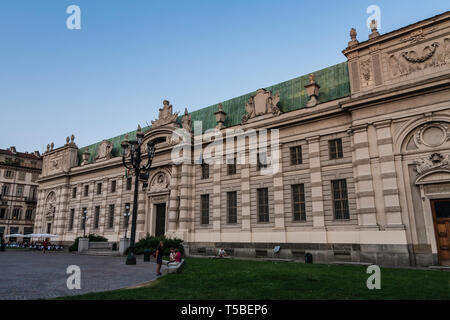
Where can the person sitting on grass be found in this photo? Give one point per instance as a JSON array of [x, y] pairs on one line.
[[171, 256], [177, 256], [222, 253]]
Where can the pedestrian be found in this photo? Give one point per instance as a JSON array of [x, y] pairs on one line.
[[159, 256], [44, 245]]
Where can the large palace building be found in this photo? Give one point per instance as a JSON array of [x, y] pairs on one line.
[[19, 172], [363, 172]]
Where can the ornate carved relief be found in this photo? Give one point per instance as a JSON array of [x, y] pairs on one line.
[[366, 71], [432, 134], [166, 116], [50, 206], [420, 57], [434, 161], [263, 102], [104, 150], [159, 183]]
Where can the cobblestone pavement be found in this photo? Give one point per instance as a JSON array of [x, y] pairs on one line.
[[35, 275]]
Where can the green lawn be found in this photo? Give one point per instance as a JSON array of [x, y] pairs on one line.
[[240, 279]]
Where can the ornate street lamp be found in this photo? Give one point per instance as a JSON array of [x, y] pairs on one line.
[[84, 217], [132, 149], [126, 215]]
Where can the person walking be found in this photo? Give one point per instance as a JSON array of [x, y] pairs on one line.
[[44, 245], [159, 256]]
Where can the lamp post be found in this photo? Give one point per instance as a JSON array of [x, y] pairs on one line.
[[132, 149], [126, 215], [84, 217]]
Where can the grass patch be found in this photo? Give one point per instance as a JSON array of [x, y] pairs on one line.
[[241, 279]]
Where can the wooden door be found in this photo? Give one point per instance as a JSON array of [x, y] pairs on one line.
[[160, 227], [441, 215]]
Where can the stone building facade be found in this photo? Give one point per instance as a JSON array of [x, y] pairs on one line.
[[363, 172], [19, 173]]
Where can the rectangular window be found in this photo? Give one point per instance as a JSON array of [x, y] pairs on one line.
[[19, 191], [111, 216], [29, 214], [5, 190], [263, 205], [9, 174], [340, 199], [335, 147], [232, 206], [17, 212], [71, 218], [113, 186], [298, 202], [96, 217], [231, 168], [129, 183], [296, 155], [33, 193], [262, 161], [3, 213], [204, 203], [74, 192], [34, 176], [86, 190], [22, 175], [83, 221], [205, 171], [99, 188]]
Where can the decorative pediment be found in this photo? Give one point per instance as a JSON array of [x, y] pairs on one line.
[[434, 176], [104, 150], [263, 102], [166, 116], [159, 183]]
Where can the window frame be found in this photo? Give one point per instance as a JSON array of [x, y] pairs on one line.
[[263, 194], [111, 214], [335, 149], [296, 157], [343, 212], [96, 217], [300, 202], [71, 219], [204, 171], [232, 207], [204, 209]]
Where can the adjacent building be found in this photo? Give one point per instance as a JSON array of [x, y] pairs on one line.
[[19, 172], [362, 154]]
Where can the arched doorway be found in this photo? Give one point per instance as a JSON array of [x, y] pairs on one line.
[[158, 202]]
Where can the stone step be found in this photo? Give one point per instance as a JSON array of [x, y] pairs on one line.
[[101, 253]]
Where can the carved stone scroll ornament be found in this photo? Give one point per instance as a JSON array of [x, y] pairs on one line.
[[434, 161], [428, 53], [263, 102], [166, 116]]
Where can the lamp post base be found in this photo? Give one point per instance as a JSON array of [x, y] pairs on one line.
[[131, 259]]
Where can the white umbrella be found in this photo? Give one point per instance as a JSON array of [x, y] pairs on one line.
[[14, 235], [48, 235]]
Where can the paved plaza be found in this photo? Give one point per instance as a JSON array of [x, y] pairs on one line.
[[34, 275]]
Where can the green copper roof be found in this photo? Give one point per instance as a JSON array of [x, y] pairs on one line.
[[333, 81]]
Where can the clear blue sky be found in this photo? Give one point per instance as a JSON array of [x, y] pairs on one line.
[[102, 80]]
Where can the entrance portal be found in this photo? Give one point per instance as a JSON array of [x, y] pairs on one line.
[[441, 215], [160, 227]]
